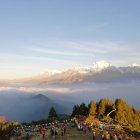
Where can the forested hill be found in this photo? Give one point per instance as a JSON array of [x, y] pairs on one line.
[[118, 111]]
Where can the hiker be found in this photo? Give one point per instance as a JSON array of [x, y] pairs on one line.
[[52, 131], [107, 136], [27, 136], [56, 134], [115, 137], [85, 129], [62, 131], [43, 132], [89, 129], [40, 130], [120, 137], [103, 137], [94, 134]]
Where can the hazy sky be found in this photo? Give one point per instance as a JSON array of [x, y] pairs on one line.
[[39, 35]]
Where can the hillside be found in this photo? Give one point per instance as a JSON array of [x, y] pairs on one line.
[[28, 108]]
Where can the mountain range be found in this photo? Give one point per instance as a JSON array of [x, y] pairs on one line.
[[100, 72], [31, 98]]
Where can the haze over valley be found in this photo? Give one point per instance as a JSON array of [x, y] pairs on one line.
[[64, 89], [62, 53]]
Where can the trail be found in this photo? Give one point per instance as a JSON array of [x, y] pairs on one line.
[[72, 134]]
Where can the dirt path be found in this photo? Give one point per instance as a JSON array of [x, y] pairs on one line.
[[72, 134]]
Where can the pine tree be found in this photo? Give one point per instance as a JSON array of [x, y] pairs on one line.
[[52, 114], [126, 115], [104, 107], [83, 109], [75, 111], [92, 108]]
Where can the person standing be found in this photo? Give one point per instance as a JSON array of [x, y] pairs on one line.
[[56, 134], [43, 132], [51, 132], [27, 136], [64, 130], [103, 137], [94, 134], [107, 136], [115, 137], [85, 129]]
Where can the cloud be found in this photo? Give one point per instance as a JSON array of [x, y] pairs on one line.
[[62, 54], [36, 90], [55, 52], [101, 47], [18, 66], [13, 59], [58, 90], [112, 51], [79, 48], [18, 56]]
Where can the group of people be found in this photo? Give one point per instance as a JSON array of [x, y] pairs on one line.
[[109, 135], [45, 131], [59, 130], [55, 131]]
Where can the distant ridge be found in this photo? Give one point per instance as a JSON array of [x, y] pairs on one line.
[[100, 72], [29, 108]]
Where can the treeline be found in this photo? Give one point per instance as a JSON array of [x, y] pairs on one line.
[[119, 111], [52, 117]]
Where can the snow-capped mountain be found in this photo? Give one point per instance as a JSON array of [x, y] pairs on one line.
[[101, 71], [98, 66], [102, 79], [134, 65]]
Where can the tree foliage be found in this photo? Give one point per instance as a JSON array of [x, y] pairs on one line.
[[123, 113], [75, 111], [81, 109], [52, 114], [126, 114], [105, 106], [92, 108]]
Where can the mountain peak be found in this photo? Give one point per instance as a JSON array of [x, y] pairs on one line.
[[134, 65], [40, 96], [101, 65]]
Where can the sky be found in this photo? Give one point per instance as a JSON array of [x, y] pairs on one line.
[[41, 35]]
